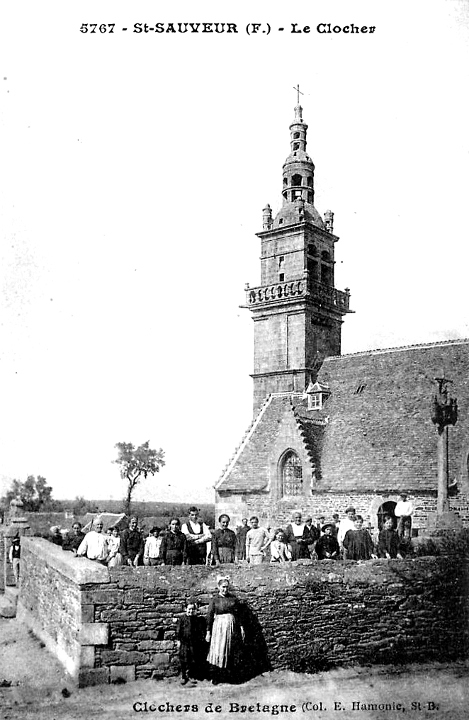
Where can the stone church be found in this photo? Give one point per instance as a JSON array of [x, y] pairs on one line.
[[332, 430]]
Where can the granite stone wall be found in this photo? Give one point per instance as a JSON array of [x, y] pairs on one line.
[[121, 623], [278, 513]]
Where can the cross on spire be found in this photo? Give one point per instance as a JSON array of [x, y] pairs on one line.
[[298, 93]]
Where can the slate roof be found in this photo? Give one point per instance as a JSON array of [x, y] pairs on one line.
[[374, 432], [380, 435]]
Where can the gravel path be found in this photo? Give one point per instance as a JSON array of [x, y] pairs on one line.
[[40, 689]]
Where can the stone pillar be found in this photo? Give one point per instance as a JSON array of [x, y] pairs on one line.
[[442, 504]]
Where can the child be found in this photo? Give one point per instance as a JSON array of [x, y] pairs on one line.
[[15, 552], [114, 559], [280, 551], [327, 547], [192, 645], [388, 542], [151, 552], [357, 543]]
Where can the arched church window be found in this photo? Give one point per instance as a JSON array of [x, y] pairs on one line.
[[296, 180], [312, 250], [325, 255], [292, 475]]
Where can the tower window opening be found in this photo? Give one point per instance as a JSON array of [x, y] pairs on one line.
[[296, 146], [326, 275], [281, 277], [296, 180], [313, 269], [312, 250], [296, 135], [325, 256], [310, 180], [296, 194], [310, 198], [280, 222], [292, 475], [285, 182], [281, 261]]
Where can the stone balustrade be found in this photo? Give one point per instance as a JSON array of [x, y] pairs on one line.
[[299, 288]]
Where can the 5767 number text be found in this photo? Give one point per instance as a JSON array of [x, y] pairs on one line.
[[94, 28]]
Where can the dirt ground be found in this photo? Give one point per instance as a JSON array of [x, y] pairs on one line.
[[42, 690]]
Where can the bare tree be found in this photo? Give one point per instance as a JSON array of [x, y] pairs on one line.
[[135, 464]]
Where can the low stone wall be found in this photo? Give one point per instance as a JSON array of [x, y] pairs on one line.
[[51, 598], [105, 624]]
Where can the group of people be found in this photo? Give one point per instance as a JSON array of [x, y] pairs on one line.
[[346, 539], [173, 545], [194, 543]]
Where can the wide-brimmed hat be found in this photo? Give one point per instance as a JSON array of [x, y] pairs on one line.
[[327, 525]]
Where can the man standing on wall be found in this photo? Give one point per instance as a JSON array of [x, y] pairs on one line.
[[94, 544], [197, 535], [132, 545], [241, 533], [346, 524], [403, 512], [73, 540], [257, 542], [297, 537]]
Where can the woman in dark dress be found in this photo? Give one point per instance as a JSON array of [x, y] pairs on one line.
[[173, 549], [327, 547], [358, 543], [225, 633]]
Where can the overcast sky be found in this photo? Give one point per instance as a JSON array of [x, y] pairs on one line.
[[134, 170]]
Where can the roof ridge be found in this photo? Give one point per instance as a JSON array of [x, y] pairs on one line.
[[244, 440], [400, 348], [302, 433]]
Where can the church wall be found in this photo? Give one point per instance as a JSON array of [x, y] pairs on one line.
[[321, 339], [274, 513], [286, 382], [312, 615]]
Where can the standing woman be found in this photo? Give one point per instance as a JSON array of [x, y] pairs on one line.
[[225, 635], [173, 548]]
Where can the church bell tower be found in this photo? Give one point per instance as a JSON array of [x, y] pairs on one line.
[[296, 309]]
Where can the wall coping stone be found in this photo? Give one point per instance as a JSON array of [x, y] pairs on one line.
[[79, 570]]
